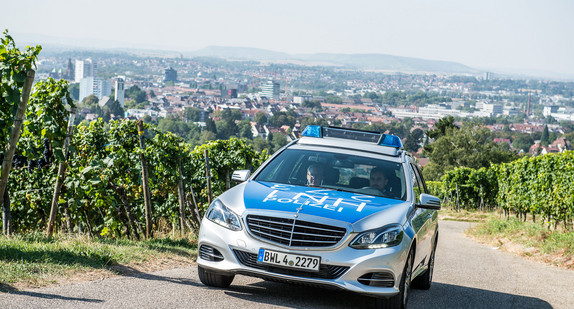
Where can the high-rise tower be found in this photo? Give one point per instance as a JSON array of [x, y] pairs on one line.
[[85, 68], [120, 91]]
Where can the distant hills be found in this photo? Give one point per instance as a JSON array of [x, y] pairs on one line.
[[375, 62], [380, 62]]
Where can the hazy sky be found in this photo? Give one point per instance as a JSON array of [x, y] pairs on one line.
[[498, 35]]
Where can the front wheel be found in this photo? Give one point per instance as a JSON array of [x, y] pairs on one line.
[[211, 278], [424, 280], [400, 300]]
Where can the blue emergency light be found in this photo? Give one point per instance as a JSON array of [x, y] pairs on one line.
[[353, 134]]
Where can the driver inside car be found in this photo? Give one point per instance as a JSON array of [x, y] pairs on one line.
[[378, 181], [315, 175]]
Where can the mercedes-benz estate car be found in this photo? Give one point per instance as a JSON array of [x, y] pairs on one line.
[[337, 208]]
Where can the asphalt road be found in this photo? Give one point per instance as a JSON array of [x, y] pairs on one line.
[[467, 275]]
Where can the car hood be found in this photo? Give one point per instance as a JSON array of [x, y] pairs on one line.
[[338, 205]]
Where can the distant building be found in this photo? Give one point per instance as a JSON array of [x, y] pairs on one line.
[[85, 68], [302, 99], [492, 109], [270, 90], [232, 93], [170, 75], [93, 85], [69, 73], [550, 109], [120, 91]]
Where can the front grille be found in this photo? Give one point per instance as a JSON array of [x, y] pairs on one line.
[[384, 279], [209, 253], [325, 271], [295, 233]]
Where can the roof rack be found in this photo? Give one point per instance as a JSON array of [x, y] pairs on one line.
[[378, 138]]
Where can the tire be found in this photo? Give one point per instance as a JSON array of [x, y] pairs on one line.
[[214, 279], [400, 300], [424, 280]]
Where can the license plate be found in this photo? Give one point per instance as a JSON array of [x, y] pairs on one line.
[[289, 260]]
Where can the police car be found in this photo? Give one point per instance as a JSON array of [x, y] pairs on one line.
[[337, 208]]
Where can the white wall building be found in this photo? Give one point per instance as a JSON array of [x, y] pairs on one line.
[[85, 68], [120, 91], [93, 85], [270, 90], [549, 109], [492, 109]]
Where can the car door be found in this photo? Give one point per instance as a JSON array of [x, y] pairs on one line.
[[422, 219]]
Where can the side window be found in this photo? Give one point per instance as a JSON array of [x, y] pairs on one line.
[[415, 182], [420, 179]]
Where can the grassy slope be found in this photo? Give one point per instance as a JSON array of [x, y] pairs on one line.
[[36, 260], [528, 239]]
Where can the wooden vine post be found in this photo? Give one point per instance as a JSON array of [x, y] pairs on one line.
[[14, 136], [145, 182], [181, 195], [61, 173], [208, 177]]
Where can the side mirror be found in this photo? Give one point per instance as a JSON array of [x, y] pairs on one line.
[[241, 175], [429, 201]]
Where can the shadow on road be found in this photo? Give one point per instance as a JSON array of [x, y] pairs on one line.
[[439, 296], [132, 272], [443, 295], [54, 296]]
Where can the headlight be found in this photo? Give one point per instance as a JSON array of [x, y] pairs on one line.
[[388, 236], [223, 216]]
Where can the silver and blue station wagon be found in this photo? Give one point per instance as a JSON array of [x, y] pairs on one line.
[[337, 208]]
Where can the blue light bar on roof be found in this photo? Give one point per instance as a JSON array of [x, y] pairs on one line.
[[312, 131], [391, 141], [353, 134]]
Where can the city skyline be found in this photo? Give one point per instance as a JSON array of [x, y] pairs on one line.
[[529, 37]]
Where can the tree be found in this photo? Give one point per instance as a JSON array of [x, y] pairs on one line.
[[74, 89], [115, 108], [441, 127], [471, 146], [260, 118], [279, 119], [134, 92], [522, 141], [192, 114], [90, 101], [412, 143], [210, 125], [545, 138], [226, 129], [244, 127]]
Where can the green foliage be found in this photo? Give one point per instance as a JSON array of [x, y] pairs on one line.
[[470, 146], [279, 119], [135, 93], [545, 138], [442, 127], [225, 156], [46, 117], [14, 65], [542, 186], [470, 189], [103, 181]]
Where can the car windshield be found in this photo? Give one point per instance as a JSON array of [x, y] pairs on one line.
[[337, 171]]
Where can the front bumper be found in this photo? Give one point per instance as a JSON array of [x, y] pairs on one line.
[[374, 272]]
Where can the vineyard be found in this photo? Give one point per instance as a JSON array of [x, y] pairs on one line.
[[542, 187], [119, 179], [125, 178]]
